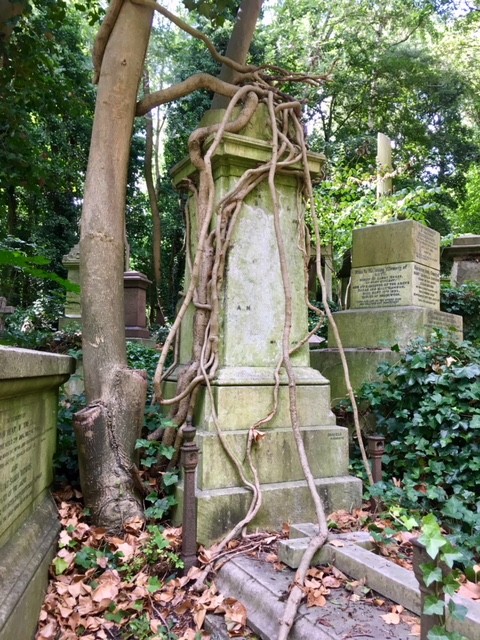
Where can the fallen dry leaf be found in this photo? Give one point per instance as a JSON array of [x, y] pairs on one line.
[[391, 618], [470, 590]]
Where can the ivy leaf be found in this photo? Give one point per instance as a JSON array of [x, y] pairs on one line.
[[60, 565], [433, 606], [431, 573], [439, 633], [169, 479], [475, 422], [457, 611], [450, 555], [154, 584], [432, 536]]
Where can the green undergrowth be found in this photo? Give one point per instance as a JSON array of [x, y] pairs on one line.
[[464, 300], [427, 405]]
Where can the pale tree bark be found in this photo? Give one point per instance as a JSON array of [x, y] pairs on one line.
[[108, 428]]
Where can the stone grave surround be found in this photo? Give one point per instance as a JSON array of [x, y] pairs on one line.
[[395, 298], [29, 382], [249, 346], [465, 252]]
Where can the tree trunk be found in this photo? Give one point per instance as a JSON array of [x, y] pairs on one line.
[[156, 220], [107, 429], [238, 45]]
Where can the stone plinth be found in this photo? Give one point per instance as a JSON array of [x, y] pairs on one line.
[[395, 298], [465, 252], [29, 382], [73, 307], [135, 286], [251, 327]]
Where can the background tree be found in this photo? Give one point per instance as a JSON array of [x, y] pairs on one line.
[[45, 119]]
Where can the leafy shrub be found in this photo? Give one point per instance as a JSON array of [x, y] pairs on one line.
[[464, 301], [65, 460], [428, 407]]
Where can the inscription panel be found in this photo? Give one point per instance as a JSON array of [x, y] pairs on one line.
[[27, 442], [427, 246], [445, 321], [395, 285]]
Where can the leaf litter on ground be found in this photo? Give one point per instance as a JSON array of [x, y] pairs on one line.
[[125, 587]]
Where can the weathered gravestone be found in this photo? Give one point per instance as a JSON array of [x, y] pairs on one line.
[[73, 309], [135, 291], [5, 310], [135, 286], [29, 382], [465, 252], [252, 318], [395, 297]]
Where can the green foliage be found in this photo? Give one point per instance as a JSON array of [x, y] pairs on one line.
[[464, 300], [45, 124], [347, 200], [388, 70], [441, 578], [467, 218], [428, 407], [65, 460], [31, 265]]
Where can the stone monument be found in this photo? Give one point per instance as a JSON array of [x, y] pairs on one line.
[[73, 308], [395, 297], [29, 382], [5, 310], [135, 298], [250, 343], [135, 291], [465, 252]]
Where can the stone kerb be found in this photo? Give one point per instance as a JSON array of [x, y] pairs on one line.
[[29, 382], [251, 329]]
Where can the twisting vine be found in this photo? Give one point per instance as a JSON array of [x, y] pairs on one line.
[[206, 269]]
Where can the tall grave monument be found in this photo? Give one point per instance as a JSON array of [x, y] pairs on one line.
[[252, 320], [395, 297]]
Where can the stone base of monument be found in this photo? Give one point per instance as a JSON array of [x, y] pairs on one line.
[[221, 509], [388, 326], [24, 562], [222, 500], [371, 328], [362, 367]]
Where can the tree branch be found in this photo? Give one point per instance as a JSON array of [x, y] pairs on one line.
[[241, 68], [184, 88], [103, 36]]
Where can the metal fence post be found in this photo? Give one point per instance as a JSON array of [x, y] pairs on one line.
[[189, 460], [376, 449]]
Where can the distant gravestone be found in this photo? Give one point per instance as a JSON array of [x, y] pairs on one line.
[[73, 308], [5, 310], [135, 291], [465, 252], [395, 298], [135, 298], [29, 382]]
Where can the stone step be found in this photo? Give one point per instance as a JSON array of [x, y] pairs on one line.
[[275, 456], [283, 502]]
